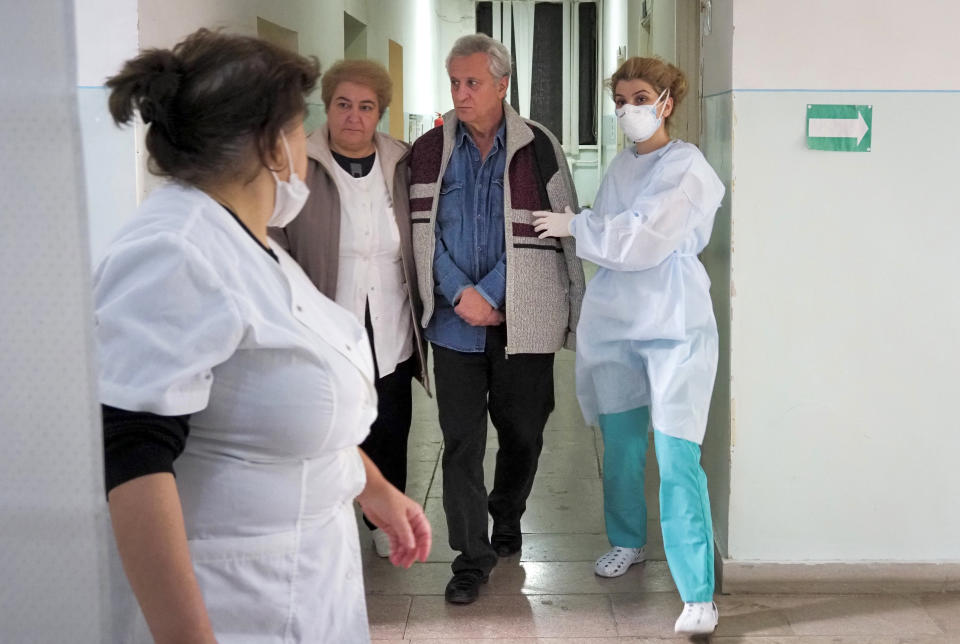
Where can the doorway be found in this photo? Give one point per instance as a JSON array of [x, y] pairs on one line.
[[395, 68], [277, 35], [354, 37]]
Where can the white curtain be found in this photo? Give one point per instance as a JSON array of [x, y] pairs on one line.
[[507, 30], [515, 18], [523, 11]]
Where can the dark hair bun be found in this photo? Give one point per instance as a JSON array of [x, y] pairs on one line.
[[148, 84], [161, 88], [215, 103]]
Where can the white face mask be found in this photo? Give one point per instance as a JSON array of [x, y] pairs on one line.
[[291, 194], [640, 122]]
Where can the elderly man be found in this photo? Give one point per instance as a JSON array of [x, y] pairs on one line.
[[498, 301]]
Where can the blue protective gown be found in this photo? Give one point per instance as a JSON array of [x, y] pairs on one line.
[[647, 334]]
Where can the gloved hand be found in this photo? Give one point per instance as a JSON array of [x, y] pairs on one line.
[[552, 224]]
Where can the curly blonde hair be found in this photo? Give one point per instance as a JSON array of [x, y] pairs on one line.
[[659, 73], [368, 73]]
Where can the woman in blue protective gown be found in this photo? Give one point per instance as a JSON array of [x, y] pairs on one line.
[[647, 337]]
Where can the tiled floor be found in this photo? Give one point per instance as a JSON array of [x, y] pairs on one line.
[[548, 593]]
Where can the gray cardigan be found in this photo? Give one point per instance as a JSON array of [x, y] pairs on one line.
[[545, 280]]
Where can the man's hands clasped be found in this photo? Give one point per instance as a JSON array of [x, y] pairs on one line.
[[474, 309]]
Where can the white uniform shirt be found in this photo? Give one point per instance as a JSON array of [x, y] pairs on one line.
[[370, 268], [194, 317]]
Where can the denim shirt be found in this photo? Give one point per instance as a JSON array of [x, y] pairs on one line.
[[470, 250]]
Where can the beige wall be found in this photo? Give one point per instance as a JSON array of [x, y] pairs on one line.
[[413, 24]]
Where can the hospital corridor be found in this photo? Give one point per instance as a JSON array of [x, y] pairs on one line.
[[549, 592], [269, 267]]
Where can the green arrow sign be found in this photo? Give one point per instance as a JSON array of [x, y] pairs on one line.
[[840, 128]]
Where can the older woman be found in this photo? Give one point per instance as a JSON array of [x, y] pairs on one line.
[[353, 240], [204, 328]]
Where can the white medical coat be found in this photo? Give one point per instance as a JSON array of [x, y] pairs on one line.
[[647, 333], [193, 317]]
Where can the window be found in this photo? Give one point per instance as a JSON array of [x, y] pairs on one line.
[[558, 64], [587, 72], [546, 97]]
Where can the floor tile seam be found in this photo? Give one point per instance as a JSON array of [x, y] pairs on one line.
[[846, 595], [936, 622], [590, 477], [730, 637], [616, 622], [832, 638], [535, 594], [792, 636], [519, 594], [412, 596], [406, 619], [612, 615], [552, 593], [433, 474], [869, 615], [597, 444], [774, 639], [917, 600]]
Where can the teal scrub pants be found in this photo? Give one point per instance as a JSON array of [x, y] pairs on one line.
[[684, 500]]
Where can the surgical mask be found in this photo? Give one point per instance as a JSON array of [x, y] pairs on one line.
[[640, 122], [291, 194]]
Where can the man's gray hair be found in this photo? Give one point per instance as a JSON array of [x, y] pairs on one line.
[[483, 44]]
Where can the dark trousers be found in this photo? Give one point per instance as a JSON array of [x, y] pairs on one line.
[[386, 445], [518, 393]]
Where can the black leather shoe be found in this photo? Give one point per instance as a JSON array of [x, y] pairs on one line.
[[464, 588], [506, 541], [506, 546]]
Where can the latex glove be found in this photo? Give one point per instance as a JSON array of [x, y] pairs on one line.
[[552, 224]]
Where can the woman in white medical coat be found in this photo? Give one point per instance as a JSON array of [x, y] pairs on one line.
[[647, 337], [216, 350]]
